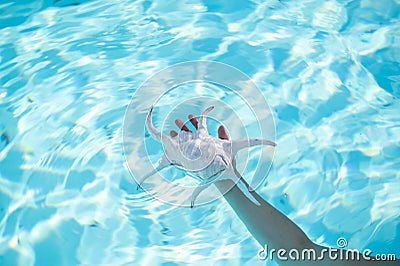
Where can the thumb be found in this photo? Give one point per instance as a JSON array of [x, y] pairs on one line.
[[222, 133]]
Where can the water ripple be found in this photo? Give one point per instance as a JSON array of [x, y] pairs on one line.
[[67, 71]]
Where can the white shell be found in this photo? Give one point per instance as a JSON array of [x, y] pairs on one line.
[[206, 158]]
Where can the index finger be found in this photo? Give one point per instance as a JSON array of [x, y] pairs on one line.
[[194, 121], [182, 125]]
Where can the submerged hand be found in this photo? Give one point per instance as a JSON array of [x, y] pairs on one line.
[[195, 122]]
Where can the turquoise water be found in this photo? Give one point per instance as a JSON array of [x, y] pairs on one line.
[[68, 69]]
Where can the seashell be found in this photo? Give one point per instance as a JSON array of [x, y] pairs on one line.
[[204, 157]]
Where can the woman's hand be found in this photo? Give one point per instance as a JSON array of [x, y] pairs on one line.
[[221, 130]]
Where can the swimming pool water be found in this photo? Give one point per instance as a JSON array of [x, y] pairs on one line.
[[68, 69]]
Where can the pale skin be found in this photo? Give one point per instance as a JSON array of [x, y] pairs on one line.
[[269, 226]]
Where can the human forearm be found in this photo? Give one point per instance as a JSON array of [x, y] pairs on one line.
[[264, 222], [270, 227]]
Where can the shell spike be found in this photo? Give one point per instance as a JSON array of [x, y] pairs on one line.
[[197, 191], [246, 191], [203, 118], [237, 145], [150, 127], [163, 163]]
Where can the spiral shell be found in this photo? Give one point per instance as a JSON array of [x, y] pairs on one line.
[[202, 158]]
